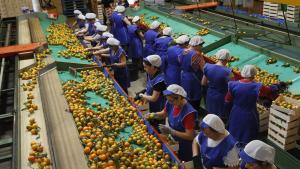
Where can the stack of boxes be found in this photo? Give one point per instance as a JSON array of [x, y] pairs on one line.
[[97, 8], [284, 123], [274, 10], [263, 118]]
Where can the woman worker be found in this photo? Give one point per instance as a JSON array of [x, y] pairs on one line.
[[118, 61], [174, 54], [90, 27], [191, 74], [242, 96], [94, 39], [120, 23], [79, 19], [214, 146], [181, 118], [150, 36], [135, 50], [162, 44], [258, 155], [155, 86], [216, 76]]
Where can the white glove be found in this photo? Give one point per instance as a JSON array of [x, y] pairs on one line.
[[142, 95], [166, 129], [150, 116]]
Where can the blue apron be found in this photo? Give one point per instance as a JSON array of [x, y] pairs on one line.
[[243, 118], [91, 29], [172, 72], [120, 74], [150, 37], [185, 152], [213, 156], [218, 77], [113, 25], [135, 49], [120, 28], [190, 80], [81, 23], [160, 47], [160, 103]]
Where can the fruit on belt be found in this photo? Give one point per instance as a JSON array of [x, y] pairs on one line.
[[99, 130]]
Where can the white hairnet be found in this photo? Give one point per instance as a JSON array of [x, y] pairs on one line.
[[154, 25], [90, 16], [120, 8], [100, 27], [80, 16], [107, 35], [167, 31], [76, 11], [196, 40], [223, 54], [248, 71], [214, 122], [113, 42], [258, 151], [182, 39], [154, 60], [175, 89], [135, 19]]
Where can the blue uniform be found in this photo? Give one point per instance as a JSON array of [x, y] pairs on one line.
[[91, 29], [172, 72], [176, 123], [190, 79], [218, 77], [150, 37], [213, 156], [159, 104], [120, 74], [81, 23], [160, 47], [113, 26], [135, 49], [120, 28], [244, 119]]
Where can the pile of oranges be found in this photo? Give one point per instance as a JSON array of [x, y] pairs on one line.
[[99, 130], [61, 34]]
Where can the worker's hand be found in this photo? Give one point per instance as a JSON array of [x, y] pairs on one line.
[[165, 129], [282, 86], [150, 116], [141, 95]]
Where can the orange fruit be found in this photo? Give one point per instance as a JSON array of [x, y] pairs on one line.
[[87, 150]]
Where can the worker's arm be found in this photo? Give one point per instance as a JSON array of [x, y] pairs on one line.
[[125, 19], [153, 98], [157, 115], [195, 147], [102, 51], [141, 35], [122, 61], [74, 24], [204, 81], [89, 38]]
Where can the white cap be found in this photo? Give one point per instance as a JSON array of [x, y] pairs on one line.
[[167, 31], [120, 8], [248, 71], [154, 25], [257, 150], [213, 121], [76, 11], [80, 16], [135, 19], [175, 89], [182, 39], [107, 35], [196, 40], [154, 60], [223, 54], [113, 42], [100, 27], [90, 16]]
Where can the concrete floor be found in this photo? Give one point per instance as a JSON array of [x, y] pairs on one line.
[[138, 85]]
